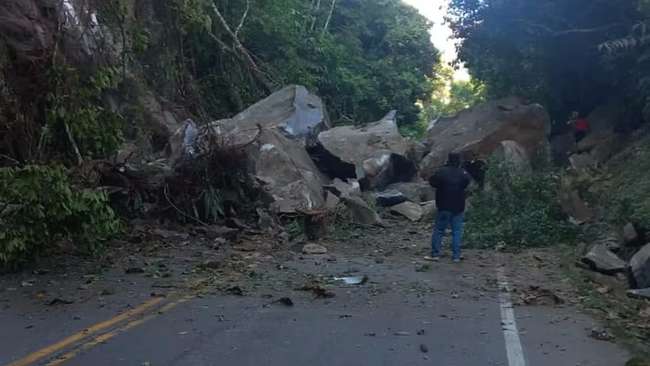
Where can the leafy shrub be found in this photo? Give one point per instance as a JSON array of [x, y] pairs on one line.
[[518, 209], [39, 206], [625, 190], [75, 110]]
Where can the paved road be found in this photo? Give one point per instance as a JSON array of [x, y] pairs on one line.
[[447, 316]]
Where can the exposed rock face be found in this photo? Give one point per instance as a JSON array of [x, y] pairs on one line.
[[640, 268], [479, 131], [601, 259], [375, 154]]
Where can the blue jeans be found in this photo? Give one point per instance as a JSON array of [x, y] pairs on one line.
[[444, 219]]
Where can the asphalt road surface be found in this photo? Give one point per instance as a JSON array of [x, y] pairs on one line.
[[444, 315]]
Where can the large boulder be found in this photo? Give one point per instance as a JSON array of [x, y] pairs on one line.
[[640, 268], [287, 173], [348, 188], [375, 154], [292, 111], [389, 198], [418, 191], [361, 212], [601, 259], [410, 210], [480, 130], [274, 133]]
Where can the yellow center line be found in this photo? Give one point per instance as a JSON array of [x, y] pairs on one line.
[[106, 336], [56, 347]]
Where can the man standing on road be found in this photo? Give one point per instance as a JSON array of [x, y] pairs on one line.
[[450, 183]]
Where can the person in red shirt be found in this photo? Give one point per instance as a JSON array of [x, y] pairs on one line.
[[580, 126]]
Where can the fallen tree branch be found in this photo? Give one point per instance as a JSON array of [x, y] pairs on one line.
[[166, 194]]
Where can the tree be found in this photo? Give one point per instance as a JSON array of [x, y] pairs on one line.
[[450, 96], [364, 57], [547, 50]]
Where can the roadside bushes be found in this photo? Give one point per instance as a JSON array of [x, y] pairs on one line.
[[39, 206], [517, 209], [626, 186]]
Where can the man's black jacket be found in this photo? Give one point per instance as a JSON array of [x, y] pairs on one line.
[[450, 184]]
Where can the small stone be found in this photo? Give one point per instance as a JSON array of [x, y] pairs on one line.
[[134, 270], [314, 249], [601, 335], [424, 348], [211, 264], [601, 259], [107, 292], [603, 290]]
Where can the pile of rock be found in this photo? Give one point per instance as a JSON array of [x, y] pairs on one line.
[[608, 255], [304, 165]]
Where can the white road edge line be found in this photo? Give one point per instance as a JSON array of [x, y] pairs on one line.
[[514, 349]]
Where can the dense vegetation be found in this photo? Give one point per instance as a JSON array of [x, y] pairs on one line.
[[568, 55], [363, 57], [519, 208], [40, 207]]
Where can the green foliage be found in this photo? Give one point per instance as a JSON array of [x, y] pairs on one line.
[[371, 57], [39, 207], [547, 50], [450, 96], [517, 209], [74, 103], [625, 193]]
